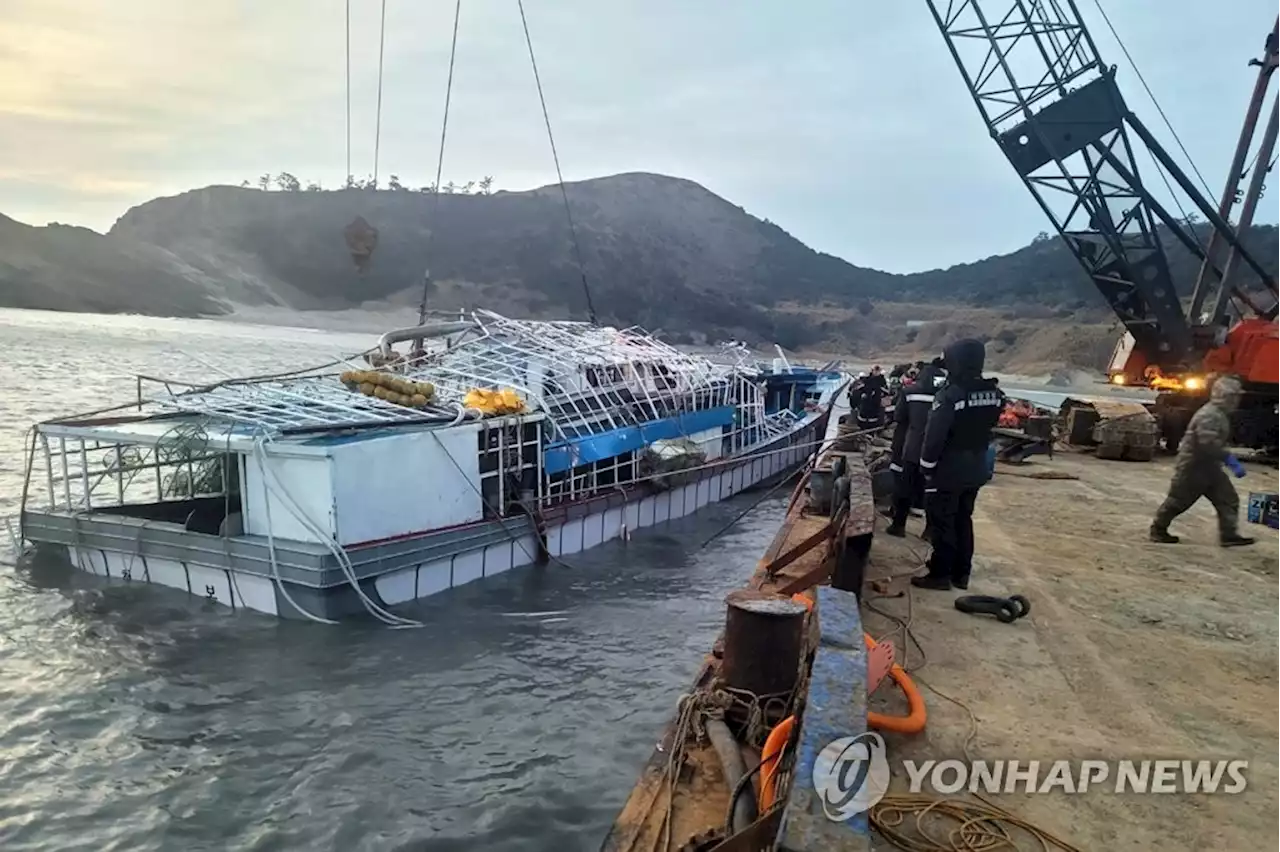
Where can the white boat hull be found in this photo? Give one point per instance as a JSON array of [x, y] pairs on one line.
[[137, 560]]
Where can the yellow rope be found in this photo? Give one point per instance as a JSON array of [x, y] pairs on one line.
[[957, 825]]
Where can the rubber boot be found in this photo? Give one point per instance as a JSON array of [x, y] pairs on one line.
[[1163, 536], [961, 583], [1236, 540], [896, 530], [928, 581]]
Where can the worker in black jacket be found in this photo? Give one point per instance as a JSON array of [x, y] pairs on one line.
[[870, 408], [953, 459], [910, 414]]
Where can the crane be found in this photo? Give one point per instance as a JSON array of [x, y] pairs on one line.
[[1055, 110]]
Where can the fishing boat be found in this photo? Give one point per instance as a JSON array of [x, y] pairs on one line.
[[481, 444]]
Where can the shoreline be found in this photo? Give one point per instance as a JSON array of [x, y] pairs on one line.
[[378, 318]]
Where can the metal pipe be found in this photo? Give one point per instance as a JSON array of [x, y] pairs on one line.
[[744, 807], [420, 332], [1267, 67], [1252, 194], [84, 474]]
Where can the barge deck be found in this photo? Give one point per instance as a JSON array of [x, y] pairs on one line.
[[1132, 651]]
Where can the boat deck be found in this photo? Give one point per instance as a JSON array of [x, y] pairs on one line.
[[701, 797], [1131, 650]]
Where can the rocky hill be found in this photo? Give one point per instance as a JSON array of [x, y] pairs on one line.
[[65, 268], [647, 242], [658, 251]]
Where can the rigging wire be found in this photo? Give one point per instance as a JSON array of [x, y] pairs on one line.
[[564, 193], [377, 121], [1254, 162], [435, 188], [1186, 217], [1151, 95], [347, 180]]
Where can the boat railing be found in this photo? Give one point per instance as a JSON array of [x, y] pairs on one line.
[[71, 472]]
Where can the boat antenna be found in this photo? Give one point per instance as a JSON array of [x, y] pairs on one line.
[[564, 193], [435, 187], [377, 121]]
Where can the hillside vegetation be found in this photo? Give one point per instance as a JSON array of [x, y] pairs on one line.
[[657, 251]]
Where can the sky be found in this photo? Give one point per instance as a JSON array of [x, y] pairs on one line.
[[845, 123]]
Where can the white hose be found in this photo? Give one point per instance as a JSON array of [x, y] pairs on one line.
[[344, 562], [271, 547]]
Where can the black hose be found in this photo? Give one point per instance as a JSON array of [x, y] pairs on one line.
[[742, 811], [735, 796]]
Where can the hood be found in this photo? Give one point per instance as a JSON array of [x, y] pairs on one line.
[[932, 377], [1225, 392], [964, 359]]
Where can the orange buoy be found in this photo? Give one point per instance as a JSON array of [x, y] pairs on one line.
[[914, 721]]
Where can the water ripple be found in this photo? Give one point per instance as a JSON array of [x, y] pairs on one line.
[[132, 718]]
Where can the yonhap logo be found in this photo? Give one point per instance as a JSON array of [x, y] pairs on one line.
[[850, 775]]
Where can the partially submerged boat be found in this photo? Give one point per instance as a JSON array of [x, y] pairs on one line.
[[490, 443]]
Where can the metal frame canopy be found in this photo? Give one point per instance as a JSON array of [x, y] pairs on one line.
[[585, 378]]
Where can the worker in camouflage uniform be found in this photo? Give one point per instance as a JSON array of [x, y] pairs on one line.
[[1202, 453]]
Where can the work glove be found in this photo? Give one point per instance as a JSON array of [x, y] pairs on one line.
[[1234, 465], [895, 467]]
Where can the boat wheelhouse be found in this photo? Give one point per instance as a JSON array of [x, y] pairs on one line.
[[491, 443]]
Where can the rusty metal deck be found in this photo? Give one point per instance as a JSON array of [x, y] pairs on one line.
[[690, 813]]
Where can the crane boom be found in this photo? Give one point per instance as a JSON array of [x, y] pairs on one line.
[[1056, 112], [1202, 296]]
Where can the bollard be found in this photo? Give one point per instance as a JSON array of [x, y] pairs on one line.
[[820, 485], [763, 640]]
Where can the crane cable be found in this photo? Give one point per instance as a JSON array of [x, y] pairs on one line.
[[435, 187], [1160, 170], [348, 57], [564, 193], [1152, 96], [377, 121]]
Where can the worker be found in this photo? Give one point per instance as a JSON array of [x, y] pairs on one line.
[[877, 380], [870, 409], [1198, 472], [854, 393], [953, 460], [910, 414]]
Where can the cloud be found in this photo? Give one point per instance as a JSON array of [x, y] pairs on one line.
[[849, 127]]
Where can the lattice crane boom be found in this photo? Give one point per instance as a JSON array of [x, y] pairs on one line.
[[1055, 110]]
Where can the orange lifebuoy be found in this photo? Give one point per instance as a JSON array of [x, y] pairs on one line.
[[914, 721], [770, 757]]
